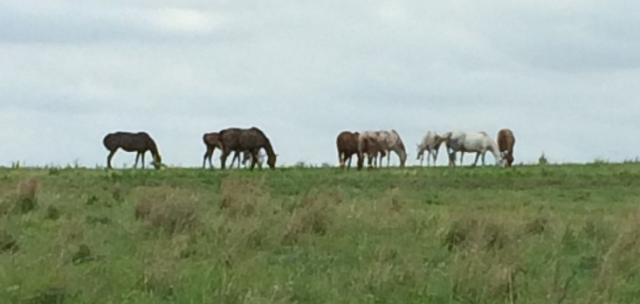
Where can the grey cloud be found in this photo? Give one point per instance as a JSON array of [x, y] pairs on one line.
[[563, 75]]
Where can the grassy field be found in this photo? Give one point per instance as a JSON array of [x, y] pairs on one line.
[[551, 234]]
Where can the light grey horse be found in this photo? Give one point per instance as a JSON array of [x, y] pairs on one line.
[[431, 143]]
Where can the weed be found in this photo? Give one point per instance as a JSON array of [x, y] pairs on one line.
[[7, 242], [52, 213], [167, 211], [26, 199]]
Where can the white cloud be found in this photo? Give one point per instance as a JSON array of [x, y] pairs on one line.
[[184, 20]]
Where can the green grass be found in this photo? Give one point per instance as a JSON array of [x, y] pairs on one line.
[[551, 234]]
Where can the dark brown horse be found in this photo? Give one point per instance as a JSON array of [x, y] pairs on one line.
[[506, 141], [347, 143], [132, 142], [252, 140], [212, 141]]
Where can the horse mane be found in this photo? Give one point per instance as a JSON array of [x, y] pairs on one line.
[[267, 145], [152, 146]]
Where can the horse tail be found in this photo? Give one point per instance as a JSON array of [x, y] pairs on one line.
[[109, 141]]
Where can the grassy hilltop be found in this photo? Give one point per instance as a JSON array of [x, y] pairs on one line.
[[552, 234]]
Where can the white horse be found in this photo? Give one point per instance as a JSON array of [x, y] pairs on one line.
[[478, 142], [431, 143], [389, 141]]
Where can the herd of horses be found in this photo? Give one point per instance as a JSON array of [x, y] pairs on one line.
[[371, 146], [375, 145]]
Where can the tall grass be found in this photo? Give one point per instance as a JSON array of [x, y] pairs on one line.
[[553, 234]]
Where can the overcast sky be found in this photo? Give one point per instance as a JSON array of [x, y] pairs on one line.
[[563, 75]]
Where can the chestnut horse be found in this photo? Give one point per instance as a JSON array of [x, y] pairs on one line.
[[252, 140], [371, 147], [132, 142], [506, 141], [347, 143]]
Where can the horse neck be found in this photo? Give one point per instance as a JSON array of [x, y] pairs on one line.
[[269, 148], [153, 148], [399, 149], [422, 146]]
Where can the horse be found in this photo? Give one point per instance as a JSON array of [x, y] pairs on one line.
[[370, 147], [431, 143], [390, 141], [252, 140], [478, 142], [347, 143], [139, 142], [506, 141], [212, 141]]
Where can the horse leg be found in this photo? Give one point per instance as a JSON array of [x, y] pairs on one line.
[[233, 159], [135, 164], [207, 155], [349, 161], [461, 157], [476, 161], [223, 158], [483, 155], [236, 159], [210, 161], [143, 153], [254, 158], [109, 157]]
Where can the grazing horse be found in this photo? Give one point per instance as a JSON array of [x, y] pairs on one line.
[[252, 140], [132, 142], [431, 143], [347, 143], [478, 142], [506, 141], [390, 141], [370, 147], [212, 141]]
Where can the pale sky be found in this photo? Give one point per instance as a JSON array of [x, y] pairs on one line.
[[563, 75]]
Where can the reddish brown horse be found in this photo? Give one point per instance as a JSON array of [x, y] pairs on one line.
[[347, 143], [506, 141], [212, 141], [132, 142], [252, 140], [371, 147]]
